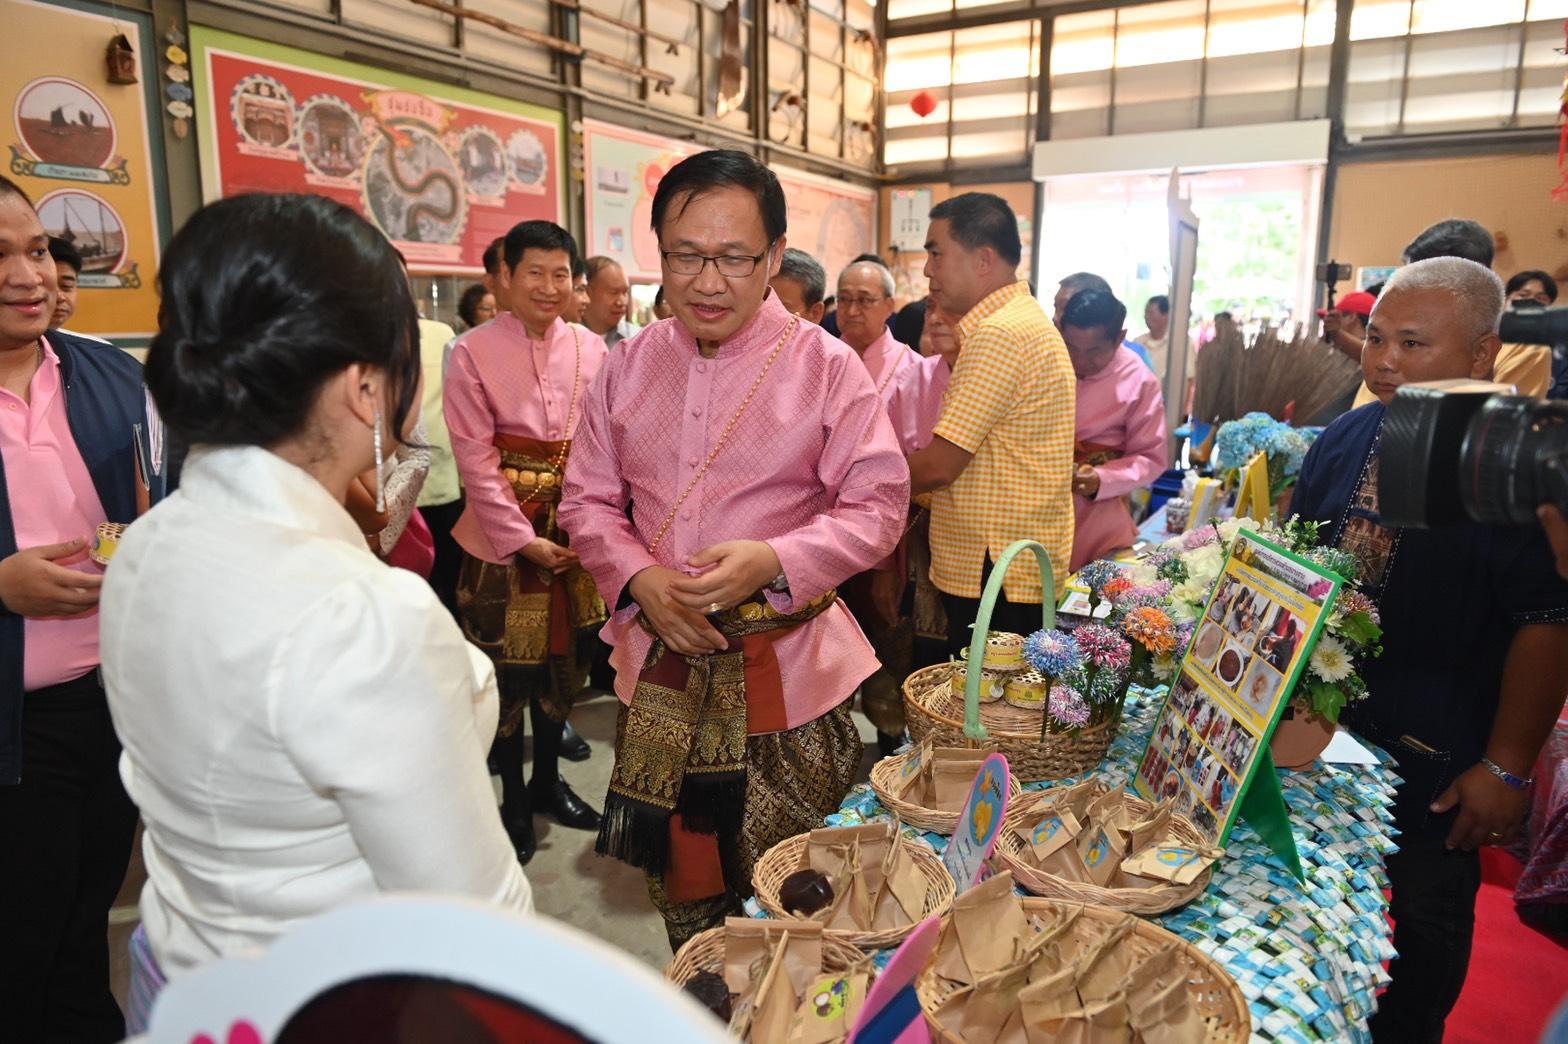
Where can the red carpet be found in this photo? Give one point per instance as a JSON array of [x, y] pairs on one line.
[[1518, 975]]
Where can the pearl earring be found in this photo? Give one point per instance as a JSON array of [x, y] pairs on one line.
[[381, 493]]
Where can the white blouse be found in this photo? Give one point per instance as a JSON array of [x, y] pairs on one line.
[[303, 724]]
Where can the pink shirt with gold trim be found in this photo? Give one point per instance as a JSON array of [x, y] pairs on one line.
[[500, 381], [812, 467]]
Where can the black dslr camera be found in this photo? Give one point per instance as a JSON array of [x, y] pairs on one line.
[[1458, 450]]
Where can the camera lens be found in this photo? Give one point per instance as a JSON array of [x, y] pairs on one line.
[[1512, 459]]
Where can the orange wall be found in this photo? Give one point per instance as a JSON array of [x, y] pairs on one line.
[[907, 266], [1380, 207]]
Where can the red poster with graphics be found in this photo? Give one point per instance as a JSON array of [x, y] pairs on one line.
[[441, 170]]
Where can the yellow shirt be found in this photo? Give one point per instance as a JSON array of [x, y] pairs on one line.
[[441, 484], [1011, 402], [1528, 367]]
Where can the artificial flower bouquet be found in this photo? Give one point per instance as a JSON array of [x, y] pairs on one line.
[[1158, 601], [1285, 447]]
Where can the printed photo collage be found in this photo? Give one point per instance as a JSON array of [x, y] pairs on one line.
[[1231, 682]]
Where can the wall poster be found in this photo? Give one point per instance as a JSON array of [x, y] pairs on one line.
[[442, 170], [82, 148]]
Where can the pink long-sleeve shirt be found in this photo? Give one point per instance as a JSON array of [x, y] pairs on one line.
[[912, 393], [812, 467], [53, 500], [1122, 407], [502, 382]]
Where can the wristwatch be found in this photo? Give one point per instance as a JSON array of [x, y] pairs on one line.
[[780, 583], [1517, 782]]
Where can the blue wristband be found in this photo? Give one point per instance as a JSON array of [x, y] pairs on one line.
[[1517, 782]]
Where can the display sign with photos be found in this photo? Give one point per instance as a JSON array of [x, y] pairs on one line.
[[1211, 738]]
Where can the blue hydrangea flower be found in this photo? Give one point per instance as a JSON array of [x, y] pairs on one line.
[[1098, 573]]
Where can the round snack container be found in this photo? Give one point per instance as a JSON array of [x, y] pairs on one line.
[[1004, 651], [993, 685], [1026, 691]]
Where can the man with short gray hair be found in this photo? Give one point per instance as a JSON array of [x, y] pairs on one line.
[[1475, 637], [801, 285]]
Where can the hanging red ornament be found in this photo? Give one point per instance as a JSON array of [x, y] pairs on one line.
[[923, 103]]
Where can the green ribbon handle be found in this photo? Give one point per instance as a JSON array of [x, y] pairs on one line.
[[982, 626]]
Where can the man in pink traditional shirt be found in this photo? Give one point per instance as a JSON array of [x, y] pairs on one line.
[[515, 390], [1121, 443], [732, 468], [911, 387]]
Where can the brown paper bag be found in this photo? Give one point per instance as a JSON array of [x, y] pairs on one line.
[[749, 943], [829, 1007], [1109, 809], [952, 777], [1102, 847], [1075, 798], [990, 926], [982, 1011], [903, 896], [1063, 1020], [1103, 969], [1055, 829], [1150, 975], [850, 910], [1061, 937], [911, 781], [1169, 1017], [1178, 864], [1148, 830], [774, 1000]]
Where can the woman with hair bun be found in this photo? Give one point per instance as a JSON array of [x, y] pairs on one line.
[[303, 725]]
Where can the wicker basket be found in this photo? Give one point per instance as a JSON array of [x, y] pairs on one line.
[[1145, 902], [886, 773], [705, 952], [934, 713], [785, 858], [1214, 992]]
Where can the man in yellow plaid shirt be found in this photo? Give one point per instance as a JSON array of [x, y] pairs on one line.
[[1000, 467]]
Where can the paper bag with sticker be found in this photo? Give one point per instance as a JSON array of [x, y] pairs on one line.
[[984, 932], [902, 898], [983, 1011], [1075, 798], [1103, 968], [829, 1007], [1110, 809], [1152, 828], [953, 776], [1055, 829], [1169, 1016], [1062, 1019], [1178, 864], [1101, 847]]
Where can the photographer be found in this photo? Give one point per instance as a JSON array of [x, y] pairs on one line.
[[1475, 635]]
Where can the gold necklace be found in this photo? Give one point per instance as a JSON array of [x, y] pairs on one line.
[[558, 465], [669, 519]]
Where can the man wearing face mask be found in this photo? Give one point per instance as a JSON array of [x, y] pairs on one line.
[[732, 468], [515, 391], [1121, 443]]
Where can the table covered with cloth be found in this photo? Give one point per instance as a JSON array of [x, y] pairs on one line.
[[1309, 957]]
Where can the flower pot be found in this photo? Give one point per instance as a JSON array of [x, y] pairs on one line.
[[1299, 738]]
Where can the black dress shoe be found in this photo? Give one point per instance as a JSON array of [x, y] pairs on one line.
[[521, 833], [573, 746], [562, 802]]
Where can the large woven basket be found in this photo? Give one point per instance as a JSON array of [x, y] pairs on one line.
[[886, 773], [934, 713], [785, 858], [705, 952], [1214, 992], [1013, 842]]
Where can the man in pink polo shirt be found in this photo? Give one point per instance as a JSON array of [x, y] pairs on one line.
[[68, 463], [732, 468]]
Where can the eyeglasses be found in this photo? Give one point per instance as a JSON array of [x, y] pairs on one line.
[[859, 302], [730, 266]]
